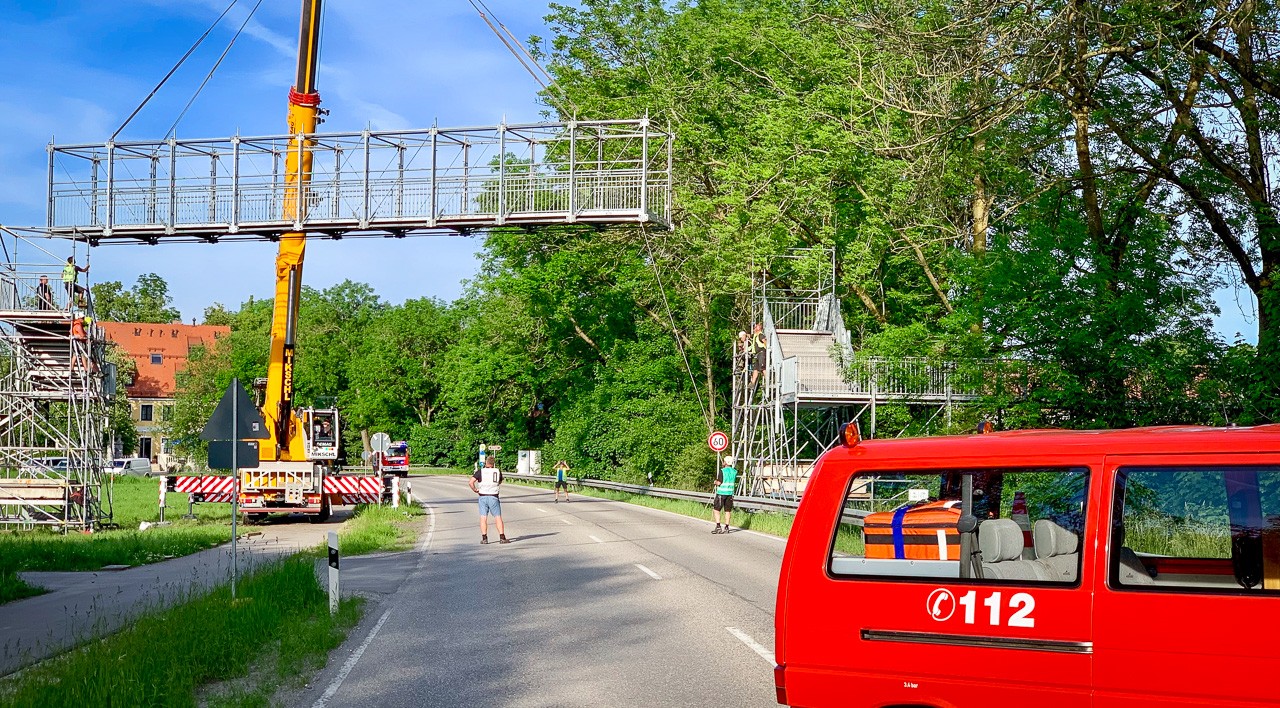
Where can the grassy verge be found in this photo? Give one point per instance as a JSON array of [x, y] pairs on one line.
[[379, 528], [280, 620], [135, 501], [12, 588]]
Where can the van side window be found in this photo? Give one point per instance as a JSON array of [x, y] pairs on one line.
[[1196, 529], [1026, 525]]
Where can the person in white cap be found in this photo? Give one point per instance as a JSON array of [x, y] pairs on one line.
[[726, 484]]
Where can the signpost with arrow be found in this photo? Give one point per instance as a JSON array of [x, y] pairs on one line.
[[232, 433]]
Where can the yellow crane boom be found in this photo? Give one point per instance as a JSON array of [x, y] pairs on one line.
[[286, 442]]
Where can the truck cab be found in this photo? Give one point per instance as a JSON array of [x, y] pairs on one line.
[[1107, 569]]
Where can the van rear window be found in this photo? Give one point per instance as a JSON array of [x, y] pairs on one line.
[[1025, 525], [1196, 529]]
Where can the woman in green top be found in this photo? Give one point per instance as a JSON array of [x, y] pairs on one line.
[[726, 483]]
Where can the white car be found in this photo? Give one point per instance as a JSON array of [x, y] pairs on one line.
[[132, 466]]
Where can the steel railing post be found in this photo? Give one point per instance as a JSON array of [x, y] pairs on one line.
[[111, 173], [364, 222], [151, 193], [502, 172], [573, 171], [49, 208], [235, 185], [644, 169], [173, 185], [433, 186], [670, 187]]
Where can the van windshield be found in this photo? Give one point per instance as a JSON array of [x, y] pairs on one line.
[[1026, 527]]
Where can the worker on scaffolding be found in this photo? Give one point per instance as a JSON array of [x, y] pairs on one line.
[[70, 274], [44, 294], [758, 352]]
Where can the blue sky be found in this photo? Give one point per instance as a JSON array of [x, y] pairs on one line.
[[77, 69]]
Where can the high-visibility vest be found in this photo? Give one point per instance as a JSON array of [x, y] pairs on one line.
[[728, 481]]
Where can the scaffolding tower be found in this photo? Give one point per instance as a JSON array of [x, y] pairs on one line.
[[54, 388], [812, 383]]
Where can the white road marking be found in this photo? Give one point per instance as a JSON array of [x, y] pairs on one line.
[[593, 538], [566, 521], [651, 574], [755, 646], [765, 535], [323, 700], [543, 511]]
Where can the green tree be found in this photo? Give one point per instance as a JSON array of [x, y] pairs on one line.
[[147, 301]]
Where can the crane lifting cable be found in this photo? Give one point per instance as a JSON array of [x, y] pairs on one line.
[[512, 46], [216, 64], [173, 70]]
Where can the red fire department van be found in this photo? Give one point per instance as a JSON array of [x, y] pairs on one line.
[[1037, 568]]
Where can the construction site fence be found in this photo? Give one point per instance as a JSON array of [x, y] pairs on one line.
[[777, 506]]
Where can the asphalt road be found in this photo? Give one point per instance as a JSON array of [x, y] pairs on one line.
[[594, 603]]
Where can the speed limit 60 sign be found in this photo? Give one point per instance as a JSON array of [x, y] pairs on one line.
[[718, 441]]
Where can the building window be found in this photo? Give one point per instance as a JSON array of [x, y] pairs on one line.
[[166, 446], [157, 358], [146, 412], [166, 413], [144, 447]]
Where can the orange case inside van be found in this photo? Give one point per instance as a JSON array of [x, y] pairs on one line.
[[924, 532]]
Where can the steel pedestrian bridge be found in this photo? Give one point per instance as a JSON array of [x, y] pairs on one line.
[[609, 172]]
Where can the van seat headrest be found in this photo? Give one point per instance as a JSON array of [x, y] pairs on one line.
[[1053, 540], [1000, 540]]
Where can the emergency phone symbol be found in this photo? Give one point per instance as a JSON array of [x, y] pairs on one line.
[[941, 604]]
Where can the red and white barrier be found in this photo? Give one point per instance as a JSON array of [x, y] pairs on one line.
[[355, 490], [213, 489]]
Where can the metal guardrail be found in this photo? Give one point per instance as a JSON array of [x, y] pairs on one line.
[[780, 506]]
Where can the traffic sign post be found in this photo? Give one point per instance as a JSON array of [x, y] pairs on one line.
[[718, 441], [231, 433]]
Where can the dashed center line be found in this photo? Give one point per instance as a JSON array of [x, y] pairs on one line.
[[593, 538], [754, 645], [566, 521], [650, 573]]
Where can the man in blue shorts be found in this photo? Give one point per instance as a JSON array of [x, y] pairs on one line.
[[485, 483]]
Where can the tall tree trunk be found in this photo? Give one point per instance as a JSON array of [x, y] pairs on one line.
[[981, 222]]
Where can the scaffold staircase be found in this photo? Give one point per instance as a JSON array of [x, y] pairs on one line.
[[54, 388], [813, 383]]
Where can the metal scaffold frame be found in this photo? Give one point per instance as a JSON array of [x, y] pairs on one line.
[[54, 389], [389, 182], [795, 412]]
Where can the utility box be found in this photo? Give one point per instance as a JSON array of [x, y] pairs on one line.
[[529, 462]]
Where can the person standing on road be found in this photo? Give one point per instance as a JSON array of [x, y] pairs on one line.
[[561, 483], [485, 483], [726, 483]]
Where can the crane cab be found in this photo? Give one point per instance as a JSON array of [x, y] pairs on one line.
[[320, 432], [1059, 569]]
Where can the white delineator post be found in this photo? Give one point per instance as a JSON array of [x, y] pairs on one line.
[[395, 492], [164, 482], [334, 589]]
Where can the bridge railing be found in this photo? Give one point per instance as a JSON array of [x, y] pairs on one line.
[[616, 171]]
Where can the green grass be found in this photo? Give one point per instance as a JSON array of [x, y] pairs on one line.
[[278, 631], [135, 501], [12, 588], [379, 528], [764, 522]]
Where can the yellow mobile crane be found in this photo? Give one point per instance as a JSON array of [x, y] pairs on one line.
[[302, 444]]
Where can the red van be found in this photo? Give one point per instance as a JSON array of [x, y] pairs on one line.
[[1037, 568]]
